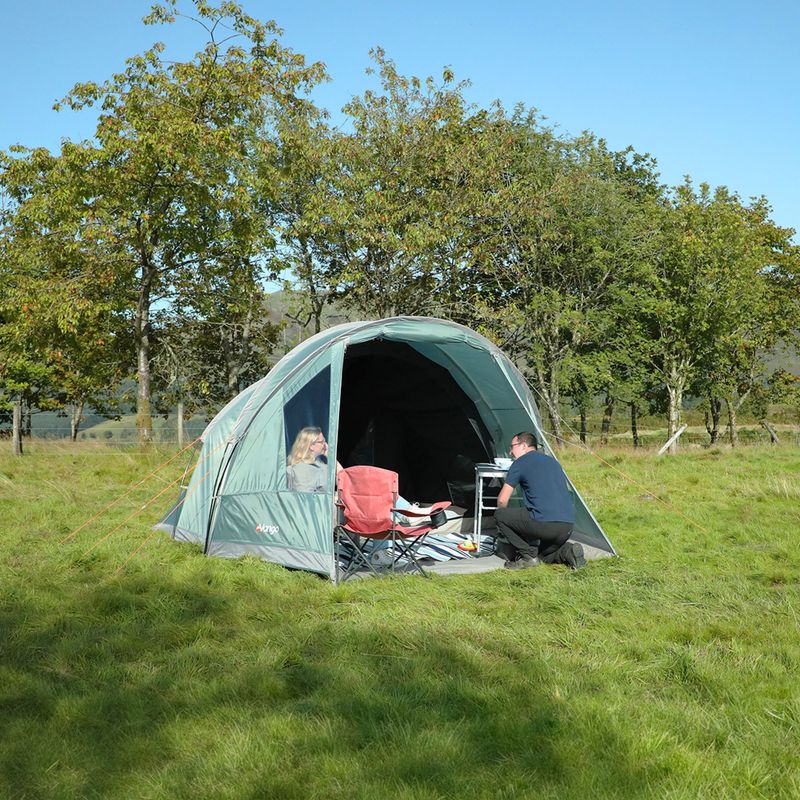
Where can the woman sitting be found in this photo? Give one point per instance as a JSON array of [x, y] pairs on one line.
[[307, 464]]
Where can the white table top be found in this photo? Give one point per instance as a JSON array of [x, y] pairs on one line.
[[490, 470]]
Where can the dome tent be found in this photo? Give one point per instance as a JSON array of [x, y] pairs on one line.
[[425, 397]]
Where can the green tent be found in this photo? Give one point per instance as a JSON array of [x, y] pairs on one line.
[[425, 397]]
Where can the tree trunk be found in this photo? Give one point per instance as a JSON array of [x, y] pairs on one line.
[[608, 411], [75, 420], [316, 300], [675, 401], [232, 360], [635, 424], [553, 405], [583, 424], [144, 419], [551, 398], [180, 424], [548, 392], [17, 428], [773, 436], [714, 412], [733, 430], [236, 348]]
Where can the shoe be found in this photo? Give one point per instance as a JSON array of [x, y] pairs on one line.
[[522, 562], [571, 554], [382, 557], [504, 550]]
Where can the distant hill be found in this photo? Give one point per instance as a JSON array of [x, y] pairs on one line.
[[124, 431], [55, 425], [785, 357], [282, 304]]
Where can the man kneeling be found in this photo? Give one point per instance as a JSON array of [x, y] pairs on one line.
[[538, 532]]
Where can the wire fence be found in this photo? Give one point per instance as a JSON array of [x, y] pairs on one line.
[[748, 433], [617, 437], [121, 435], [99, 443]]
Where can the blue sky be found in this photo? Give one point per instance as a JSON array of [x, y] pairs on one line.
[[709, 88]]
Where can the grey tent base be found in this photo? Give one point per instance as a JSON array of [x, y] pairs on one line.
[[453, 566], [473, 566], [468, 566]]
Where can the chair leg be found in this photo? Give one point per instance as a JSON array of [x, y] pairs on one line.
[[358, 559], [404, 548]]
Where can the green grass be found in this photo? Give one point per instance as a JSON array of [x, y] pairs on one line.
[[671, 672]]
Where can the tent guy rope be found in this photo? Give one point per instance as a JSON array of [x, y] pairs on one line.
[[128, 491], [141, 508], [177, 505]]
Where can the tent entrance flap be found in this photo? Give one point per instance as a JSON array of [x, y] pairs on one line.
[[401, 411]]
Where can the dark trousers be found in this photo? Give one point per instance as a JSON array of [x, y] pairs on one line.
[[519, 535]]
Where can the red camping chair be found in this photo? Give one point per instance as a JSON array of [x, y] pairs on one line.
[[367, 498]]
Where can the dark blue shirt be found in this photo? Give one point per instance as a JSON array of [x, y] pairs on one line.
[[544, 487]]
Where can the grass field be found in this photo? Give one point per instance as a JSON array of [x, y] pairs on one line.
[[670, 672]]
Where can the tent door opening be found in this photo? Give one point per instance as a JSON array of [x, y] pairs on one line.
[[401, 411]]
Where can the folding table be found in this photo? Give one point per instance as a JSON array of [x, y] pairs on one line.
[[484, 473]]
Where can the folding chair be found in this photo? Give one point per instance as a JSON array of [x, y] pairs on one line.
[[367, 498]]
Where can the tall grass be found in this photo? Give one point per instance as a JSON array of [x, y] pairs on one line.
[[669, 672]]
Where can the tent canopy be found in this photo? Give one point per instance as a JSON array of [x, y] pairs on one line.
[[424, 397]]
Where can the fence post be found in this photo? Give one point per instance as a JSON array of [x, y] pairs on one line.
[[17, 427], [179, 420]]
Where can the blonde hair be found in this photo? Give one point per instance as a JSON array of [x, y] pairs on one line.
[[301, 449]]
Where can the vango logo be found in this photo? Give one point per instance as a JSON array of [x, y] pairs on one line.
[[271, 530]]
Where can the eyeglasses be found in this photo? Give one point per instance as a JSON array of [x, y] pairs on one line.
[[319, 441], [513, 445]]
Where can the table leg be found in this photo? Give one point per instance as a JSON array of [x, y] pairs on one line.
[[476, 528]]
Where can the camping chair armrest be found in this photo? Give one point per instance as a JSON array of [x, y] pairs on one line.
[[419, 511], [434, 514]]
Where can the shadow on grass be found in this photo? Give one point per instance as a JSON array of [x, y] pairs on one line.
[[164, 686]]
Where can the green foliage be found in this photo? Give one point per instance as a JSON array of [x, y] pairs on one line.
[[205, 178], [557, 250], [166, 188], [669, 672], [402, 189], [712, 303]]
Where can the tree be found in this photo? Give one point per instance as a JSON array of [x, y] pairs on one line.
[[399, 190], [712, 304], [203, 360], [784, 387], [588, 377], [167, 183], [553, 239], [60, 331], [311, 218], [680, 302], [765, 307]]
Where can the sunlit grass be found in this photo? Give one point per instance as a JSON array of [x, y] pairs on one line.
[[669, 672]]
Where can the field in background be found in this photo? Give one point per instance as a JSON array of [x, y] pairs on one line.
[[652, 429], [672, 671], [652, 434]]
